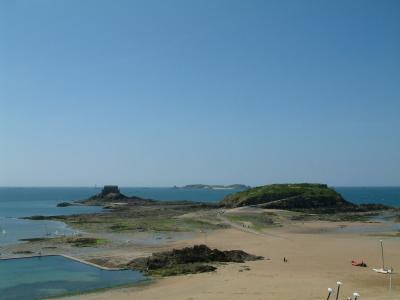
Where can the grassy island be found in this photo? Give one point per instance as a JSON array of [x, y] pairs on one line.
[[288, 196]]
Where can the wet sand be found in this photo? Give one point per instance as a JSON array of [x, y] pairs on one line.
[[319, 254]]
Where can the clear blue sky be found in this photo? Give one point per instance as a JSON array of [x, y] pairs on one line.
[[156, 93]]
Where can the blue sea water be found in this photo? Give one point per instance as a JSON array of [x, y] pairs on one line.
[[38, 278], [382, 195], [24, 202]]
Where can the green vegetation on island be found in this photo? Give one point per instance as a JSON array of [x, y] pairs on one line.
[[315, 197], [85, 241], [69, 240], [288, 196]]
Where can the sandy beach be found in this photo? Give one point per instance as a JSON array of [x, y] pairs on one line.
[[319, 254]]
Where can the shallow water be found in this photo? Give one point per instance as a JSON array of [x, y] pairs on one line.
[[384, 227], [386, 224], [38, 278], [24, 202], [12, 230]]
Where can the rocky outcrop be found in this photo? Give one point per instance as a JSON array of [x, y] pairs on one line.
[[112, 194], [64, 204], [188, 260]]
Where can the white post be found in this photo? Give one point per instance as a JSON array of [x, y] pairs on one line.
[[383, 259], [329, 293], [390, 284], [338, 289]]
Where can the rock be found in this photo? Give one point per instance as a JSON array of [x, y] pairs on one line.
[[111, 192], [64, 204], [22, 252], [37, 218], [110, 189], [188, 260]]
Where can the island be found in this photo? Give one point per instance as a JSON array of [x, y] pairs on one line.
[[289, 196], [216, 186], [307, 197]]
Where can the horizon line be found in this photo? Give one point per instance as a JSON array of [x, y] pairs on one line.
[[179, 186]]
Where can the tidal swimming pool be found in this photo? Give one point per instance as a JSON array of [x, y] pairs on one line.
[[52, 276]]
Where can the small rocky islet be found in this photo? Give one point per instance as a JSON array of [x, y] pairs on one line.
[[188, 260]]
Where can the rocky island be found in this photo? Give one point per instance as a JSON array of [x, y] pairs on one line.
[[298, 197], [288, 196]]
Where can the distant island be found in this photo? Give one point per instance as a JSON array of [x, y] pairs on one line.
[[215, 186]]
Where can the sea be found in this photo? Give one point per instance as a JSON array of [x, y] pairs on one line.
[[55, 276]]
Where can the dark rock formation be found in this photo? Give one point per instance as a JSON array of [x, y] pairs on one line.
[[110, 189], [188, 260], [64, 204], [112, 194]]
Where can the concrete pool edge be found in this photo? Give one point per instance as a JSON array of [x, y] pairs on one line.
[[80, 260], [142, 280]]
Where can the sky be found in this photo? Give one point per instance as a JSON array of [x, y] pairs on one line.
[[173, 92]]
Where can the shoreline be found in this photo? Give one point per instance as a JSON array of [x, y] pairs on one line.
[[80, 260]]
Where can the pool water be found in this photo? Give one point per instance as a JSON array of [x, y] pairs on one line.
[[50, 276]]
